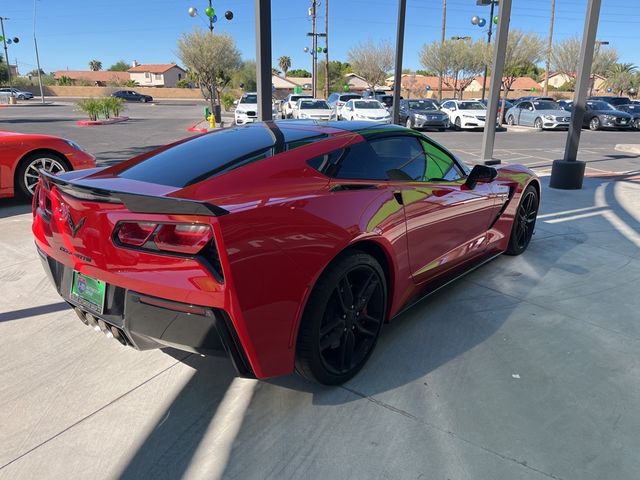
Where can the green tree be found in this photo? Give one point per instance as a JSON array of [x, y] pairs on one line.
[[337, 71], [566, 53], [119, 66], [622, 77], [299, 73], [524, 50], [245, 77], [211, 60], [284, 63], [457, 61], [95, 65], [372, 61]]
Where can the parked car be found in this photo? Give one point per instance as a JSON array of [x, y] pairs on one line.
[[279, 256], [24, 155], [507, 106], [564, 104], [632, 109], [247, 109], [421, 113], [465, 113], [131, 96], [338, 100], [289, 103], [19, 94], [531, 98], [540, 114], [599, 115], [611, 100], [313, 109], [368, 110]]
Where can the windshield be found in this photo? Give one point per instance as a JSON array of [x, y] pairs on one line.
[[470, 106], [314, 105], [368, 104], [253, 98], [422, 105], [600, 106], [545, 105]]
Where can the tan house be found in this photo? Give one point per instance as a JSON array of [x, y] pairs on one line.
[[99, 78], [522, 84], [557, 80], [414, 85], [157, 74]]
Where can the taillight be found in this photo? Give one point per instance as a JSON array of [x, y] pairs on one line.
[[135, 234], [187, 238], [41, 198], [183, 237]]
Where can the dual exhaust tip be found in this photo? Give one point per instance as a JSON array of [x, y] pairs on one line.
[[100, 325]]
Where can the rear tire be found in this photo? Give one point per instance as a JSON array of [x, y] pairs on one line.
[[524, 222], [342, 320]]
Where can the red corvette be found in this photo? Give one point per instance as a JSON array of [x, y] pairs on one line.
[[23, 155], [285, 245]]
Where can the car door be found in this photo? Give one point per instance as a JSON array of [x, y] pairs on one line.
[[521, 113], [446, 222], [449, 108]]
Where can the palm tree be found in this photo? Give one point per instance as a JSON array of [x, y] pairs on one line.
[[621, 78], [284, 63], [95, 65]]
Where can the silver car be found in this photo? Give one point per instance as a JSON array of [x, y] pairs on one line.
[[541, 114]]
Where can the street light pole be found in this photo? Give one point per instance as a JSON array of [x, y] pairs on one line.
[[35, 43], [549, 48], [6, 52], [397, 76], [442, 35], [486, 67], [263, 59]]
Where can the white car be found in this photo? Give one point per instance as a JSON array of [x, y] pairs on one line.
[[465, 113], [247, 109], [289, 104], [312, 108], [368, 110]]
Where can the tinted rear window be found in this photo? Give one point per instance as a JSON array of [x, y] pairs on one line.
[[346, 98]]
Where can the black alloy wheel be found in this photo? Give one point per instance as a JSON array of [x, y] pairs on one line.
[[342, 320], [594, 124], [524, 222]]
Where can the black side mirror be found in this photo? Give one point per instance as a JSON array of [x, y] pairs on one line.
[[480, 174]]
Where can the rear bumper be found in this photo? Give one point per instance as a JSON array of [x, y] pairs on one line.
[[150, 322]]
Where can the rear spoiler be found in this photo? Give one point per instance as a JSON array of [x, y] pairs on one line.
[[136, 203]]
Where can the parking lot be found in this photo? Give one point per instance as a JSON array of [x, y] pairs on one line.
[[526, 369]]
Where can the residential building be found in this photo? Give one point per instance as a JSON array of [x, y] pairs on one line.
[[157, 75]]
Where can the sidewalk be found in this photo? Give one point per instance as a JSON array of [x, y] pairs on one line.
[[527, 368]]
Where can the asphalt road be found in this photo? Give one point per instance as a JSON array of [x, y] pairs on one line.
[[152, 125]]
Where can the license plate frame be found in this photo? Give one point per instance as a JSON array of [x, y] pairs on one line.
[[88, 292]]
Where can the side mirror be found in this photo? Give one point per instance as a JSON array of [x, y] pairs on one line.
[[480, 174]]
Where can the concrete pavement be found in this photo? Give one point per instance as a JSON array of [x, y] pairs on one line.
[[528, 368]]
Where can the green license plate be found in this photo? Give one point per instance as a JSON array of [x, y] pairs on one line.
[[88, 292]]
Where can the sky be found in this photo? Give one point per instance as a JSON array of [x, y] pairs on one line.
[[70, 33]]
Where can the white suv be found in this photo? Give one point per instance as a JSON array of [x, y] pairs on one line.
[[247, 109]]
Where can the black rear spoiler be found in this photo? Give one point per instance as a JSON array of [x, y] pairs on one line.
[[135, 202]]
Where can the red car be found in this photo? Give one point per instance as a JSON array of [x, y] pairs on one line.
[[285, 245], [23, 155]]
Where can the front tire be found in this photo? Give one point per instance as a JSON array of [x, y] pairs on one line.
[[409, 123], [143, 100], [537, 124], [524, 222], [342, 320], [510, 121], [28, 175], [594, 124], [458, 123]]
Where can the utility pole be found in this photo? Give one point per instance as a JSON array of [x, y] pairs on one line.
[[397, 76], [6, 52], [314, 51], [442, 37], [549, 47], [326, 49], [35, 44]]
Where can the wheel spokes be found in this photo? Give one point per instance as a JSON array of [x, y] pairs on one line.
[[346, 350], [345, 294]]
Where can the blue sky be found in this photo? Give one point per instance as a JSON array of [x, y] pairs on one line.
[[72, 32]]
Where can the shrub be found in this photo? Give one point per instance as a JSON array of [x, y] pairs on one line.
[[91, 106], [65, 81], [105, 106], [227, 101], [183, 83], [131, 83], [113, 105]]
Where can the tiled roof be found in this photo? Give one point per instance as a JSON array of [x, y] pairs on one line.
[[99, 76], [154, 68]]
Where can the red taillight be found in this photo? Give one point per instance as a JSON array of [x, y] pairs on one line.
[[187, 238], [135, 234], [183, 237]]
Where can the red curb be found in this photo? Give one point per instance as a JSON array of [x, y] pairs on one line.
[[195, 128], [89, 123]]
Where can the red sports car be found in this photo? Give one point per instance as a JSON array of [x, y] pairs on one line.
[[285, 245], [23, 155]]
